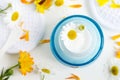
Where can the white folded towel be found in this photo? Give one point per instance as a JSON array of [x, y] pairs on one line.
[[33, 22]]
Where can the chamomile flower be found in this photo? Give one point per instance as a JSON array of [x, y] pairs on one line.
[[12, 18], [25, 62], [44, 70], [72, 37], [112, 69]]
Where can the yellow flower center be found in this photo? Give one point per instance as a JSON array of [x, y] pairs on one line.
[[15, 16], [81, 27], [72, 34], [45, 70], [59, 2], [115, 70]]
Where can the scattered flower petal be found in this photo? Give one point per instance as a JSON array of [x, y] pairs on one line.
[[44, 41], [118, 54], [73, 76], [26, 62], [25, 36], [27, 2], [115, 37], [118, 43], [114, 5], [21, 23], [75, 5], [102, 2]]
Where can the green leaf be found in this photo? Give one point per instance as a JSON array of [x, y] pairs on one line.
[[8, 72], [7, 78], [42, 77], [2, 73], [5, 74]]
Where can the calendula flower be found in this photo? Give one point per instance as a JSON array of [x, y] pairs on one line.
[[72, 34], [42, 5], [12, 18], [112, 69], [44, 70], [26, 62]]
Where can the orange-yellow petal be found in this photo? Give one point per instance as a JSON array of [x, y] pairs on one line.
[[27, 2], [114, 5], [25, 36], [118, 54], [47, 4], [44, 41], [102, 2], [75, 5], [115, 37], [118, 43], [21, 24], [73, 76]]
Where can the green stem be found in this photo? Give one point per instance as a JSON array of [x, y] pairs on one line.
[[2, 10], [43, 77], [14, 66]]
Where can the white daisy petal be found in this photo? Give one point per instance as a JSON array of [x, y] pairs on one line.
[[75, 42], [13, 17]]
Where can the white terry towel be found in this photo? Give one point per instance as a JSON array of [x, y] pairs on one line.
[[33, 22]]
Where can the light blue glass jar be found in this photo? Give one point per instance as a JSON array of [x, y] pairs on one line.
[[84, 49]]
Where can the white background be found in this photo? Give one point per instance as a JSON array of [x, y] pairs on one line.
[[43, 56]]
